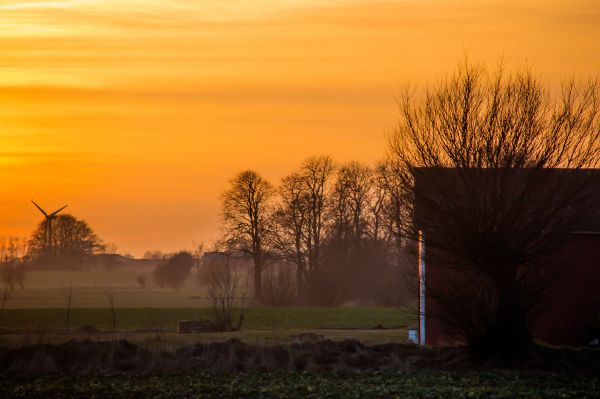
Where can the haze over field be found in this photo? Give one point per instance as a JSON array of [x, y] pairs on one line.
[[136, 113]]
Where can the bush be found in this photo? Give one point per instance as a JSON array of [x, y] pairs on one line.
[[13, 274], [173, 272], [141, 280]]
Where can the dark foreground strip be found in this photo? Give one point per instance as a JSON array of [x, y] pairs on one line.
[[279, 385]]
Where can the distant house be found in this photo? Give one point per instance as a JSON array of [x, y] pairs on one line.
[[570, 311], [238, 259], [118, 261]]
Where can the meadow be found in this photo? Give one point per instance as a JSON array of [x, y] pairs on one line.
[[39, 311]]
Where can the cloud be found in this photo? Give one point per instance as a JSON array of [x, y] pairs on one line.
[[32, 5]]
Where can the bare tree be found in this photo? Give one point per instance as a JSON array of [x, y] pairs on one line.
[[154, 254], [247, 218], [279, 283], [351, 198], [5, 292], [225, 284], [316, 173], [13, 261], [480, 153], [198, 253], [110, 297], [68, 293], [291, 221]]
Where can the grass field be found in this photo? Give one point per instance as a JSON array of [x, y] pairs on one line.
[[129, 319], [47, 289], [369, 385], [39, 310], [170, 340]]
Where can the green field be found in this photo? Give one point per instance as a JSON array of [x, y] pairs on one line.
[[370, 385], [39, 312], [130, 319]]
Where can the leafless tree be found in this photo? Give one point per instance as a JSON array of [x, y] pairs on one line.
[[279, 284], [247, 218], [154, 254], [291, 222], [197, 253], [225, 284], [5, 292], [68, 293], [110, 297], [480, 153], [351, 198], [14, 261], [316, 173]]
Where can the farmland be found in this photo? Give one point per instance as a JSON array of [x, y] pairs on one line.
[[362, 354], [40, 310], [371, 385], [131, 319]]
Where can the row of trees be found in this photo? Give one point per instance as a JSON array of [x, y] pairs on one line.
[[498, 168], [341, 226], [73, 243]]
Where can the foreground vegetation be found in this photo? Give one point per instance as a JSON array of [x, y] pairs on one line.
[[370, 385]]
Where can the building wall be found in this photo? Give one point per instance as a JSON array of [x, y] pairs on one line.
[[569, 305]]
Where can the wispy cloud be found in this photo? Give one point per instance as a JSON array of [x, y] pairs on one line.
[[32, 5]]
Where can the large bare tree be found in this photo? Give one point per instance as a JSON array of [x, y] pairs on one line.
[[291, 220], [317, 173], [351, 197], [497, 165], [247, 217]]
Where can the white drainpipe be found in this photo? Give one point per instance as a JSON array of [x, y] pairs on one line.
[[422, 340]]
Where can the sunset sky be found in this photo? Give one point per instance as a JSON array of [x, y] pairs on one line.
[[137, 112]]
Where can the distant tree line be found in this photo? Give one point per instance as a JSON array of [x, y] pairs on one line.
[[73, 242], [341, 226]]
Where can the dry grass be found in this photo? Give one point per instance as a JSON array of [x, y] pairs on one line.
[[232, 356]]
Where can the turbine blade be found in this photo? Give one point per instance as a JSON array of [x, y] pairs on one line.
[[40, 208], [55, 212]]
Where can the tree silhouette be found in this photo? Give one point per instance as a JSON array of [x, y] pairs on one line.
[[497, 167], [73, 241], [247, 218]]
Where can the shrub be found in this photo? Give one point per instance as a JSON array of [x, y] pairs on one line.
[[141, 280], [173, 272]]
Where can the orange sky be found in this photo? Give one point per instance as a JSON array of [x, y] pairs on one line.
[[137, 112]]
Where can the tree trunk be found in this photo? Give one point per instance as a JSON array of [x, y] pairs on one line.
[[300, 280], [507, 338], [258, 277]]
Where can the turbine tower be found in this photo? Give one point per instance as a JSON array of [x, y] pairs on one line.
[[49, 239]]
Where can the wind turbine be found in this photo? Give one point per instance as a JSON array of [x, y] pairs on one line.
[[49, 244]]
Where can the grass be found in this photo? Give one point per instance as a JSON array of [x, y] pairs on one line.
[[46, 289], [267, 385], [38, 311], [173, 340], [129, 319]]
